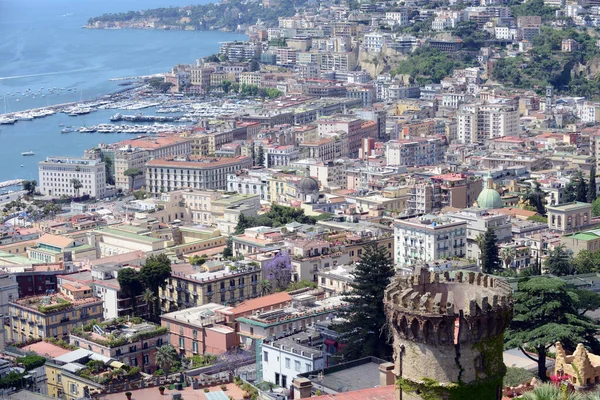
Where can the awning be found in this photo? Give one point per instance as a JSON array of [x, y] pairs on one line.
[[116, 364], [329, 342]]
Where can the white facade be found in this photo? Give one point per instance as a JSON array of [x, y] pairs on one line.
[[476, 123], [283, 360], [428, 238], [250, 182], [399, 17], [376, 41], [506, 33], [56, 176]]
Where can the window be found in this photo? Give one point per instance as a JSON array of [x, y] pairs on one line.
[[287, 362], [276, 378], [195, 333], [266, 357], [194, 347], [297, 366], [181, 343], [308, 367], [59, 378], [146, 359], [73, 388]]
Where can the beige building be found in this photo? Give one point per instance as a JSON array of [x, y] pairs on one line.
[[179, 173], [569, 217], [479, 122]]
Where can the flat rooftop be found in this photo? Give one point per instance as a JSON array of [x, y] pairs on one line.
[[354, 375]]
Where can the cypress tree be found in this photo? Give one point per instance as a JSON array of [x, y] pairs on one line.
[[581, 191], [260, 157], [364, 332], [592, 194], [490, 257]]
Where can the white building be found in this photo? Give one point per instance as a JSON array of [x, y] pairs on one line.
[[276, 156], [506, 33], [284, 359], [57, 176], [428, 238], [376, 40], [250, 182], [397, 17], [479, 122]]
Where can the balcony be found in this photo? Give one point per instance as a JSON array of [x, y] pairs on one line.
[[64, 319], [169, 286], [223, 290], [231, 288]]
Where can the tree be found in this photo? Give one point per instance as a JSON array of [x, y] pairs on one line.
[[108, 168], [536, 198], [585, 300], [260, 157], [265, 287], [365, 327], [131, 285], [596, 207], [149, 299], [586, 261], [581, 191], [228, 250], [508, 255], [76, 183], [166, 357], [226, 86], [559, 261], [253, 66], [154, 274], [545, 313], [279, 270], [490, 259], [29, 186], [132, 173], [592, 189]]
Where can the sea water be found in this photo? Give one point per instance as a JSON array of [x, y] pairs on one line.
[[45, 52]]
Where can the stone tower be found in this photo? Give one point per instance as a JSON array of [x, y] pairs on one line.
[[448, 334]]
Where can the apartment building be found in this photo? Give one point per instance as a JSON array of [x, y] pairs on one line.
[[199, 330], [59, 176], [250, 182], [214, 281], [477, 123], [428, 238], [56, 315], [240, 51], [415, 152], [197, 173]]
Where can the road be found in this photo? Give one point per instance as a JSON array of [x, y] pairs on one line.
[[7, 198]]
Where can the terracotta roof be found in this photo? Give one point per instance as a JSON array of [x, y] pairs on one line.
[[513, 211], [55, 240], [260, 302], [378, 393], [153, 142], [75, 287]]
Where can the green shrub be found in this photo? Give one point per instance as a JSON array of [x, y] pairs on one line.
[[31, 361]]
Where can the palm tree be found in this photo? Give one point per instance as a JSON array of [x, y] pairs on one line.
[[76, 183], [166, 356], [265, 287], [149, 298], [507, 254]]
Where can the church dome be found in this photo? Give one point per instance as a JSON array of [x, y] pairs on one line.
[[308, 185], [489, 198]]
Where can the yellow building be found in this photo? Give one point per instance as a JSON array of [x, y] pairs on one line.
[[69, 379], [212, 282], [54, 249], [39, 317]]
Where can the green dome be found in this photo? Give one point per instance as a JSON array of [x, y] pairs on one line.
[[489, 198]]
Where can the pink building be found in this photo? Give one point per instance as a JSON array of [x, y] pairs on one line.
[[199, 330]]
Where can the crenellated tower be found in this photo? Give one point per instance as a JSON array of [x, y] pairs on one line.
[[448, 334]]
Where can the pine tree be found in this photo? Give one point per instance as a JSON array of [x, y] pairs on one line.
[[490, 257], [364, 332], [592, 194]]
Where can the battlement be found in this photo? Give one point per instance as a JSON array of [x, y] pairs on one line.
[[434, 293], [430, 307]]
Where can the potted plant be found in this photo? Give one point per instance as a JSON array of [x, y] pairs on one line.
[[161, 389], [128, 394]]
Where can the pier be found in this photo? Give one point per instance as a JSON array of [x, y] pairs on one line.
[[12, 182]]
